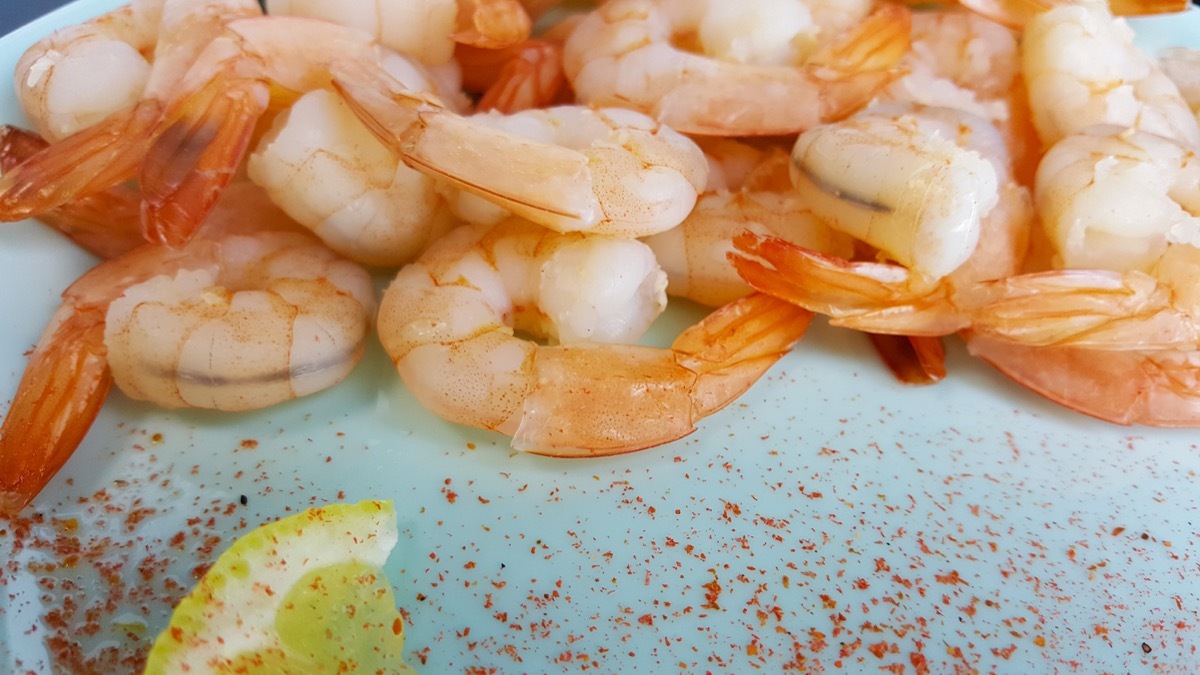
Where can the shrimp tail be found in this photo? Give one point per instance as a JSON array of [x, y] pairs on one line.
[[1155, 388], [866, 296], [1017, 13], [57, 400], [105, 223], [197, 151], [530, 76], [1094, 309], [588, 404], [915, 360], [879, 42], [81, 164], [733, 346]]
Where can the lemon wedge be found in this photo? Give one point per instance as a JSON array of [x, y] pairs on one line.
[[305, 594]]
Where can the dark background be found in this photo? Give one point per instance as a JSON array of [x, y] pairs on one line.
[[16, 13]]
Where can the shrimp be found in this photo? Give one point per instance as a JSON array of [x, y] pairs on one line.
[[426, 30], [447, 322], [943, 212], [1182, 66], [76, 77], [1157, 388], [105, 223], [758, 70], [1121, 210], [327, 171], [570, 168], [758, 199], [1082, 69], [187, 151], [229, 322], [524, 76]]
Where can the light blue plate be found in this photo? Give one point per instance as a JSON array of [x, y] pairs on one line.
[[830, 518]]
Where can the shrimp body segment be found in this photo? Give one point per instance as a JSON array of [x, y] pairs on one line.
[[232, 323], [961, 220], [447, 322], [326, 170], [740, 80], [570, 168], [1082, 69]]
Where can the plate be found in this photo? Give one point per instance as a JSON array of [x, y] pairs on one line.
[[829, 519]]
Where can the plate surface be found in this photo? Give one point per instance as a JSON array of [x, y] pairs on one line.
[[829, 519]]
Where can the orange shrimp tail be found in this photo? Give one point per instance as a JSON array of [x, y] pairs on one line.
[[864, 296], [1093, 309], [1146, 7], [1157, 388], [735, 345], [59, 396], [631, 398], [105, 224], [915, 360], [877, 43], [84, 163], [198, 150], [521, 77], [492, 24]]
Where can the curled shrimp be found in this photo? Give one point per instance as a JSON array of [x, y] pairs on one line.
[[230, 322], [79, 75], [328, 172], [1121, 210], [186, 149], [760, 78], [447, 321], [750, 191], [930, 190], [570, 168]]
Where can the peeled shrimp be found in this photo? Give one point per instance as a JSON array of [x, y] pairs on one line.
[[1121, 210], [930, 189], [185, 153], [1182, 66], [426, 30], [447, 321], [79, 75], [570, 168], [1082, 69], [752, 193], [762, 69], [233, 322], [326, 170]]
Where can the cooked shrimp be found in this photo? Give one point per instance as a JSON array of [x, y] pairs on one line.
[[1182, 66], [1121, 209], [960, 60], [1157, 388], [186, 154], [1082, 69], [524, 76], [79, 75], [757, 70], [322, 166], [942, 210], [105, 223], [570, 168], [447, 323], [757, 198], [426, 30], [232, 323]]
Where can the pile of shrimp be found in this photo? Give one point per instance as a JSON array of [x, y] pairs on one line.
[[535, 178]]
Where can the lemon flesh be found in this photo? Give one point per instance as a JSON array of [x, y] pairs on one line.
[[305, 594]]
